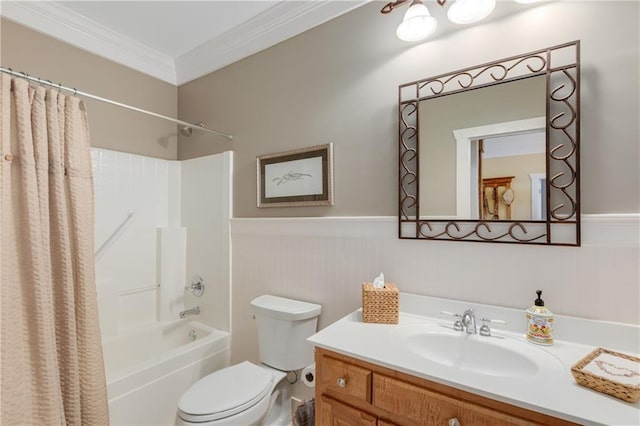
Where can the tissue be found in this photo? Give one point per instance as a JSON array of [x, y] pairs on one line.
[[378, 282]]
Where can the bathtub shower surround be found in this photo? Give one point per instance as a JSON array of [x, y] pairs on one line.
[[179, 227], [172, 246], [205, 211], [51, 359], [127, 267]]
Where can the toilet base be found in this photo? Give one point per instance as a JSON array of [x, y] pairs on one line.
[[273, 410], [280, 412]]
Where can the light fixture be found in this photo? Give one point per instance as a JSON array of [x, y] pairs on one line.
[[470, 11], [418, 23]]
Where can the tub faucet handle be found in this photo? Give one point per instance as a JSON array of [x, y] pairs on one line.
[[197, 286]]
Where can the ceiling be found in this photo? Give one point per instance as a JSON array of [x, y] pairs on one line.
[[171, 28], [175, 41]]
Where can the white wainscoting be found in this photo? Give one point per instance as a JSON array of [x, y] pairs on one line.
[[325, 260]]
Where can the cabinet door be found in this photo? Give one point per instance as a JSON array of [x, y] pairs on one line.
[[424, 407], [334, 413]]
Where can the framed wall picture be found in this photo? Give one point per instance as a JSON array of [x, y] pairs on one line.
[[301, 177]]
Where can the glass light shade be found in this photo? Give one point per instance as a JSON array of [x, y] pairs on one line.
[[417, 24], [470, 11]]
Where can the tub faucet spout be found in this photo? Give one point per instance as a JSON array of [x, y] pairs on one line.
[[192, 311]]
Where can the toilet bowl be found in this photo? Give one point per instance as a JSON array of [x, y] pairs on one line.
[[247, 394], [243, 394]]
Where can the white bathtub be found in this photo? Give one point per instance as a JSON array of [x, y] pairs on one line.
[[150, 368]]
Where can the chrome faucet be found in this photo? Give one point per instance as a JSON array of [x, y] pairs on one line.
[[192, 311], [469, 322]]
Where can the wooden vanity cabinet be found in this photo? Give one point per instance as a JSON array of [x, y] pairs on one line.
[[334, 413], [351, 392]]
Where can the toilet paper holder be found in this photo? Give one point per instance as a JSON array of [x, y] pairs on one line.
[[309, 375]]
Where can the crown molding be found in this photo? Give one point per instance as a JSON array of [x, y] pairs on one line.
[[278, 23], [63, 24]]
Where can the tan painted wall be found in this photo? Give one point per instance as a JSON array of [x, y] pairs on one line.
[[338, 83], [111, 127]]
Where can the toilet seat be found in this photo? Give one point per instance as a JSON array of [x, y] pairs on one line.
[[225, 393]]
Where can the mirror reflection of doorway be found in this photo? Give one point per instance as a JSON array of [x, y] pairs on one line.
[[511, 178], [538, 196], [497, 196]]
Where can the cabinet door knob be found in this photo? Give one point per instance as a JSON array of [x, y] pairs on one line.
[[342, 382], [454, 422]]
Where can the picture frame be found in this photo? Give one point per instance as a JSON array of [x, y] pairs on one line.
[[296, 178]]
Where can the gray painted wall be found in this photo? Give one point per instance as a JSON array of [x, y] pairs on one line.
[[338, 83]]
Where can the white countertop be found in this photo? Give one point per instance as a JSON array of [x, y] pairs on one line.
[[553, 391]]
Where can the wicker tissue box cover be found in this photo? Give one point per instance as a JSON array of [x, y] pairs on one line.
[[610, 372], [380, 305]]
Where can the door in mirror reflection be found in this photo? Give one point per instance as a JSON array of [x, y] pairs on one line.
[[511, 172]]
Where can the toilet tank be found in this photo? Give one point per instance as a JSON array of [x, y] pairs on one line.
[[283, 328]]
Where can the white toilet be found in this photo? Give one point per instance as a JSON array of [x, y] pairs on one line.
[[247, 394]]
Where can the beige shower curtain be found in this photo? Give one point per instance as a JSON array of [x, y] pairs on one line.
[[51, 355]]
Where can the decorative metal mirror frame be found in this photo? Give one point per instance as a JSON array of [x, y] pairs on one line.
[[562, 224]]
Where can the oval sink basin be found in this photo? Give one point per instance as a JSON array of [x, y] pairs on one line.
[[494, 356]]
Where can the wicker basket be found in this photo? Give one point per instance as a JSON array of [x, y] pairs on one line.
[[623, 391], [380, 305]]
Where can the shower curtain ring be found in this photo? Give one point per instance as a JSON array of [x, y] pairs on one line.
[[75, 92]]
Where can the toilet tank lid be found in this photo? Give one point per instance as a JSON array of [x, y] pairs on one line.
[[284, 309]]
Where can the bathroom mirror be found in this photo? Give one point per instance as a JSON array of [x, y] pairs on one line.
[[491, 153]]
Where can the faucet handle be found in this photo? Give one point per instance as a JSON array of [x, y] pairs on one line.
[[485, 330], [197, 286], [494, 321], [457, 324]]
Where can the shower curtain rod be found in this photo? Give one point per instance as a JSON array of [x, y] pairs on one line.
[[109, 101]]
